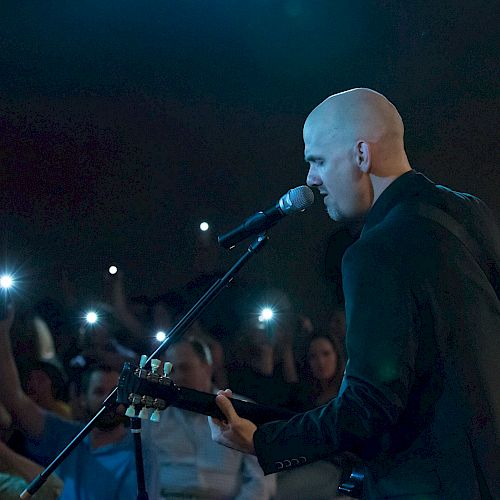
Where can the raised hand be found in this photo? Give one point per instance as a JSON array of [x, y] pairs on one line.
[[6, 323]]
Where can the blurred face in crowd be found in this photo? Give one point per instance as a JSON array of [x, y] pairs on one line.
[[101, 383], [162, 317], [189, 370], [323, 359], [95, 336], [39, 387]]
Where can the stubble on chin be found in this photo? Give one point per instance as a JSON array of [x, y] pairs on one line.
[[333, 214]]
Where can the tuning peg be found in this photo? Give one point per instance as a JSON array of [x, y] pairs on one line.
[[155, 417], [144, 413], [142, 362], [134, 400], [155, 364], [167, 368], [130, 411]]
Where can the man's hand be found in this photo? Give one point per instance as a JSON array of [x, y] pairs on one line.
[[237, 432]]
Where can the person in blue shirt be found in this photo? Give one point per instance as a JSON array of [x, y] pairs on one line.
[[102, 466]]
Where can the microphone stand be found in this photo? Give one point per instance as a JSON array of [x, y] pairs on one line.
[[135, 428], [184, 323]]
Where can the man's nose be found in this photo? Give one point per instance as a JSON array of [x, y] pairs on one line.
[[312, 179]]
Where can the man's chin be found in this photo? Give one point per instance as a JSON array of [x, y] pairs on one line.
[[110, 419], [111, 422], [338, 216], [334, 214]]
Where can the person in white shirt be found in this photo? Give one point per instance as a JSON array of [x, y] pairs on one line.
[[191, 464]]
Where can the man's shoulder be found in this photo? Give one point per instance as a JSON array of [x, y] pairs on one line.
[[60, 426]]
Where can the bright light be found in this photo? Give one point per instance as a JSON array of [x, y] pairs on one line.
[[113, 269], [91, 317], [266, 314], [204, 226], [161, 336], [6, 281]]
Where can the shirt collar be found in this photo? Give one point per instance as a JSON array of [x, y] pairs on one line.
[[403, 188]]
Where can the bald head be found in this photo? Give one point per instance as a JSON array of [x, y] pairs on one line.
[[354, 146], [358, 114]]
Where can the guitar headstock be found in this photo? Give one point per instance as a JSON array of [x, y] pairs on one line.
[[147, 392]]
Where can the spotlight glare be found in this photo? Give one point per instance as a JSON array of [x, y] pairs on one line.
[[266, 314], [204, 226], [161, 336], [113, 269], [6, 281], [91, 317]]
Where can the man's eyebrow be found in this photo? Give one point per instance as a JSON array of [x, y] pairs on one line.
[[310, 157]]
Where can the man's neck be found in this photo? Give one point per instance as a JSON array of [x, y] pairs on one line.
[[380, 184], [100, 437]]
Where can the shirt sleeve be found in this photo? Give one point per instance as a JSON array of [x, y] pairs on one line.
[[252, 480], [57, 433], [381, 343]]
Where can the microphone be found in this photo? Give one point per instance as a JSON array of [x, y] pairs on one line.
[[296, 200]]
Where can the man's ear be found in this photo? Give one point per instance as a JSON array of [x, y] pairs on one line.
[[363, 156]]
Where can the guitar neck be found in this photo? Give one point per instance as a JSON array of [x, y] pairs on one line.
[[204, 403], [138, 386], [139, 383]]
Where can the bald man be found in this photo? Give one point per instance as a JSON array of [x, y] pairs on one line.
[[419, 401]]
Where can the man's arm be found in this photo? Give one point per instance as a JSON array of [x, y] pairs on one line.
[[28, 416], [382, 346], [382, 343]]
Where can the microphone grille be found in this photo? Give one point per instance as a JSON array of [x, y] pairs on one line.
[[299, 199]]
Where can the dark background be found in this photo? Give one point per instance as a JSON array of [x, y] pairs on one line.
[[124, 124]]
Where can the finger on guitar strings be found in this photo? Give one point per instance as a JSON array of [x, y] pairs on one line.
[[226, 407]]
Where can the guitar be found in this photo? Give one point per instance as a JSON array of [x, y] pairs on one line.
[[145, 390]]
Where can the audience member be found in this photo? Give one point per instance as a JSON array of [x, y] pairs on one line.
[[263, 365], [98, 344], [324, 371], [58, 321], [107, 453], [47, 386], [191, 464], [16, 471]]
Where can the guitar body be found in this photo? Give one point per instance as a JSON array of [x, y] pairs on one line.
[[142, 388]]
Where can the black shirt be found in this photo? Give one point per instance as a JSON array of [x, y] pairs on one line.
[[420, 392]]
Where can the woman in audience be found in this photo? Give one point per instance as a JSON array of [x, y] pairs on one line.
[[324, 368], [323, 372]]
